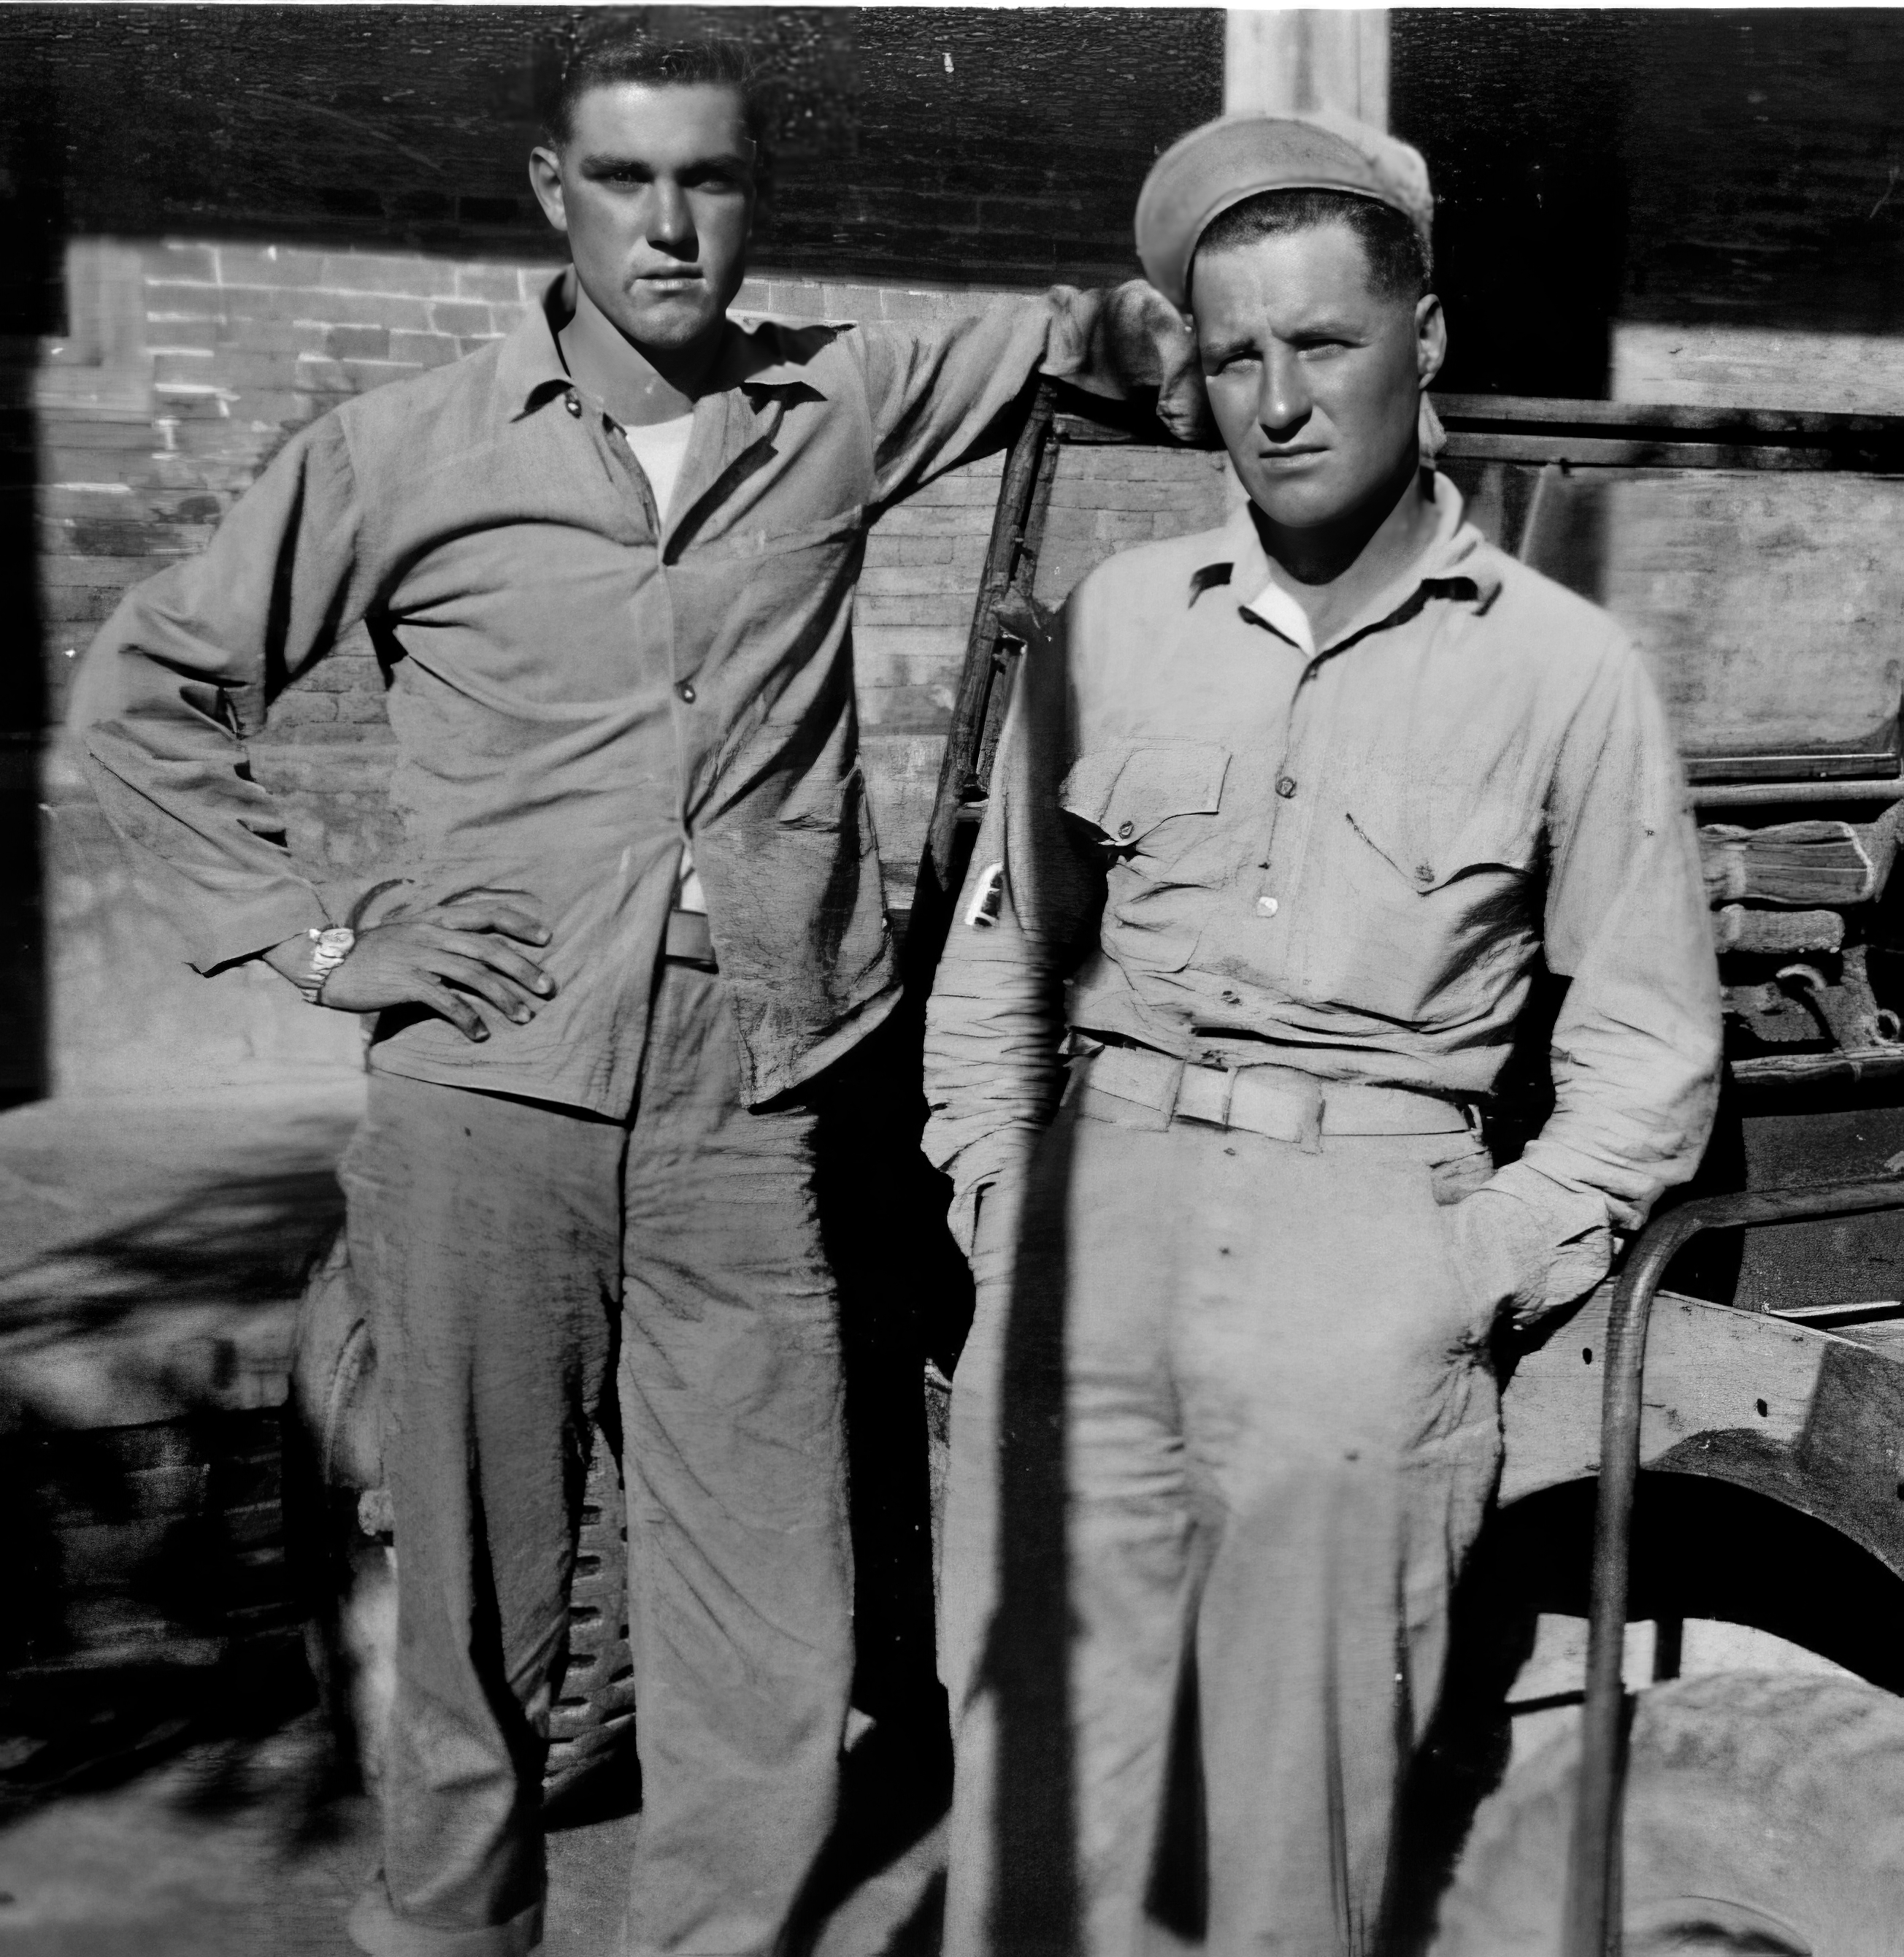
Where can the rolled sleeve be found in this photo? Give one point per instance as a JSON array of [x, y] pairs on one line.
[[942, 398], [994, 1070], [181, 676]]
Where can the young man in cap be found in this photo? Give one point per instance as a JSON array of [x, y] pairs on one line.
[[1289, 814], [609, 567]]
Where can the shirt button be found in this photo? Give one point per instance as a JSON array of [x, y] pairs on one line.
[[1268, 906], [1126, 828], [1286, 787], [572, 402], [686, 692], [1424, 873]]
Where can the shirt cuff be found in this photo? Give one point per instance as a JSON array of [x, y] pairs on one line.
[[998, 1158], [1529, 1245], [254, 929]]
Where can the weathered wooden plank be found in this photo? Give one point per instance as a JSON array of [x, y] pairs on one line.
[[1814, 1420], [1461, 411], [1710, 1368]]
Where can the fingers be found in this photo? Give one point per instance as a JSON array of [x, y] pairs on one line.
[[523, 972], [474, 975], [454, 1007], [516, 920], [505, 959], [1025, 618]]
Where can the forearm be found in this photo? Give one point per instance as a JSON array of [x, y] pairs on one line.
[[1635, 1051], [940, 399], [178, 679], [174, 784], [994, 1058]]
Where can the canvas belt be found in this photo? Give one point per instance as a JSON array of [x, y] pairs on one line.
[[689, 940], [1281, 1102]]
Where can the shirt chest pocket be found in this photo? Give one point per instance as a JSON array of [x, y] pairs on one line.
[[1423, 922], [1153, 810], [1431, 855]]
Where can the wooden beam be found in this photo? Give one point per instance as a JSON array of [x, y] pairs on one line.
[[1277, 59]]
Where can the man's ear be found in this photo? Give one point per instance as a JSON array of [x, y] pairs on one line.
[[545, 179], [1430, 338]]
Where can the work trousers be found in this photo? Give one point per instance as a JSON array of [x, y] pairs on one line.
[[1224, 1430], [503, 1248]]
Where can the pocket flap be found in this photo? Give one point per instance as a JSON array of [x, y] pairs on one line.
[[1127, 791], [1490, 838]]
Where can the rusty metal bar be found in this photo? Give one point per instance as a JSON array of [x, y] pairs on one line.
[[1592, 1926], [958, 773], [1761, 794]]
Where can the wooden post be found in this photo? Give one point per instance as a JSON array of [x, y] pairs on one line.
[[1304, 58]]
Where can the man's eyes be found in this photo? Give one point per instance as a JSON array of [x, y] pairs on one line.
[[634, 177], [1307, 348]]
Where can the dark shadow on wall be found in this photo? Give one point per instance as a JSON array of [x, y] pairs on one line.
[[150, 1603], [32, 301], [1522, 117]]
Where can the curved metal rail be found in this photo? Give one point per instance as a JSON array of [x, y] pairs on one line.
[[1592, 1921]]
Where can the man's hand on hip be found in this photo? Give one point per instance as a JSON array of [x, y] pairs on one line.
[[456, 959]]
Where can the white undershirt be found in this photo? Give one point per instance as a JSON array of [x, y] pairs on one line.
[[661, 447], [1279, 610]]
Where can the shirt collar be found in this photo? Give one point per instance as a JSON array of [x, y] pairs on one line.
[[760, 357], [1457, 563]]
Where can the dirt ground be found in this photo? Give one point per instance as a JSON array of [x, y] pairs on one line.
[[239, 1847], [168, 1788]]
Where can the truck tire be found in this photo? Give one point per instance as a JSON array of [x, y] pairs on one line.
[[1764, 1813], [339, 1524]]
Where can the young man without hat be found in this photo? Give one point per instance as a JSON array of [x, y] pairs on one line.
[[1288, 815], [609, 567]]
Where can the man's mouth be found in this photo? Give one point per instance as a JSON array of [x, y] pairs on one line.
[[678, 281]]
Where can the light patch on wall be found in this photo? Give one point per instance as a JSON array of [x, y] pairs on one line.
[[1758, 367]]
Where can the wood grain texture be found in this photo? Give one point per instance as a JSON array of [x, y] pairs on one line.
[[1814, 1420]]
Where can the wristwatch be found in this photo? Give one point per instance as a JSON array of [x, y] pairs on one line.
[[328, 949]]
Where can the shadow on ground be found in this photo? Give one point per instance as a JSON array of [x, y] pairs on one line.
[[169, 1785]]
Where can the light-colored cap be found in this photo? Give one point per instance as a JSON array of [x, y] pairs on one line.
[[1201, 174]]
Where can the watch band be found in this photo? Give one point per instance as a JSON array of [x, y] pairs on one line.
[[328, 949]]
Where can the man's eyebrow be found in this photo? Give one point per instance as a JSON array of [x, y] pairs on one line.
[[1326, 326], [741, 152]]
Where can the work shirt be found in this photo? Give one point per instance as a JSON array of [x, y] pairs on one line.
[[1348, 859], [576, 685]]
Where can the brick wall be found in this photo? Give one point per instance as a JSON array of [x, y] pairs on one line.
[[908, 141], [187, 365]]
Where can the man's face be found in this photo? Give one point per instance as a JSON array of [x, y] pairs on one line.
[[1315, 380], [655, 190]]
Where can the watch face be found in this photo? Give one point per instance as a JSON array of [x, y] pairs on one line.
[[337, 940]]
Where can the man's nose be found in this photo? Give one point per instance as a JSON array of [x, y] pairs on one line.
[[1284, 405], [671, 224]]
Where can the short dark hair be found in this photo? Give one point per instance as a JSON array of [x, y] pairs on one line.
[[620, 49], [1400, 263]]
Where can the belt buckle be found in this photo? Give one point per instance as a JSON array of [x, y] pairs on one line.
[[1221, 1118]]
